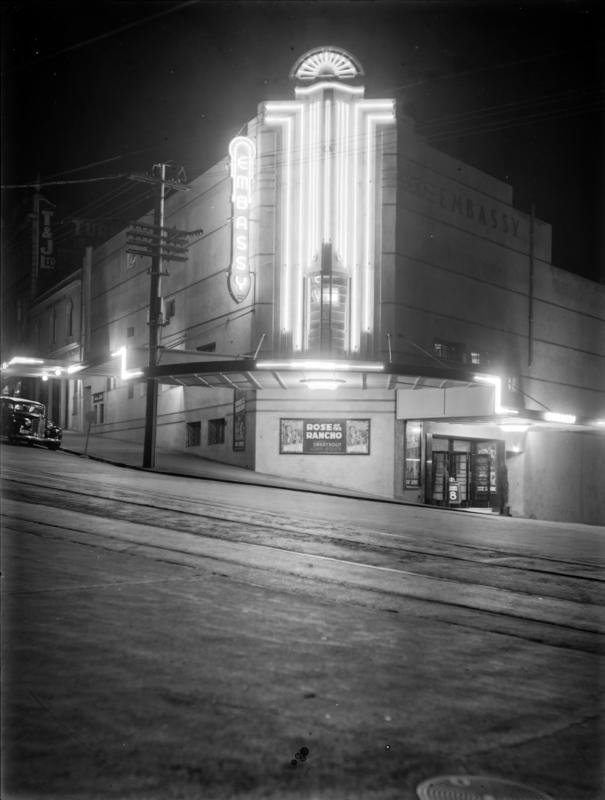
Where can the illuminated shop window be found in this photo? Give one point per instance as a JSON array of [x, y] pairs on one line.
[[326, 313], [475, 357], [413, 440], [216, 431], [130, 332], [326, 305]]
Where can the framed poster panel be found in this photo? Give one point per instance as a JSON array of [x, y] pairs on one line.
[[325, 436]]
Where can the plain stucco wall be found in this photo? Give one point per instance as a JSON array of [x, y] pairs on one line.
[[563, 477], [371, 473]]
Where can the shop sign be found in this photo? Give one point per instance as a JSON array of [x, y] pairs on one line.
[[47, 258], [239, 419], [241, 153], [325, 436], [453, 490]]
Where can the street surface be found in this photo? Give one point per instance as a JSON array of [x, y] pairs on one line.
[[171, 637]]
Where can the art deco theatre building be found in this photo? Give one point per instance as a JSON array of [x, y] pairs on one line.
[[360, 310]]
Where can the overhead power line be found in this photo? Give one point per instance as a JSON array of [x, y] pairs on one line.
[[85, 42], [63, 183]]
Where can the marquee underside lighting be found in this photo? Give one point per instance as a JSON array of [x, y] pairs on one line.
[[321, 366], [323, 383]]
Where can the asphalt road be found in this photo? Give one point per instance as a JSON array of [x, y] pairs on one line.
[[178, 638]]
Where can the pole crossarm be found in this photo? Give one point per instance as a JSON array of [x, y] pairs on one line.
[[179, 187]]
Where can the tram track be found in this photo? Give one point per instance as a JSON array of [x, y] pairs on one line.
[[315, 537], [349, 547], [501, 614], [225, 512]]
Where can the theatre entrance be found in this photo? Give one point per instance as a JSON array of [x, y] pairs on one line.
[[465, 473]]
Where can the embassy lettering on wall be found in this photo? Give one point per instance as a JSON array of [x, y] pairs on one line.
[[325, 436]]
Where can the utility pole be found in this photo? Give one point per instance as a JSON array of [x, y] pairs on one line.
[[155, 299], [35, 242], [160, 244]]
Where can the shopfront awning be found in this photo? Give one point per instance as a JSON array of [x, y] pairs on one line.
[[437, 392]]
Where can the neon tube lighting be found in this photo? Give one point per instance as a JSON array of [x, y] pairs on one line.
[[74, 368], [368, 266], [286, 123], [125, 374], [280, 106], [298, 327], [496, 382], [319, 87], [355, 294], [324, 366], [25, 360], [367, 262], [327, 170], [554, 416]]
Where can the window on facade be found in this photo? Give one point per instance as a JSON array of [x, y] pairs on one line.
[[130, 332], [131, 260], [53, 324], [326, 317], [194, 434], [130, 392], [449, 351], [207, 348], [475, 357], [69, 318], [216, 431], [326, 307]]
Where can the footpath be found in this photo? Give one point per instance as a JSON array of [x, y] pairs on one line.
[[176, 462]]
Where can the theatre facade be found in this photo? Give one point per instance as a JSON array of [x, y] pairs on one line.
[[356, 308]]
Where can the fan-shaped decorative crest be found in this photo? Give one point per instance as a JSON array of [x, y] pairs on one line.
[[326, 62]]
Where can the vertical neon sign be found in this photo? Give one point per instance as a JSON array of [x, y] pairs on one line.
[[241, 154]]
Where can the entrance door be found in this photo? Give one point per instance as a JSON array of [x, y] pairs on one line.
[[471, 465]]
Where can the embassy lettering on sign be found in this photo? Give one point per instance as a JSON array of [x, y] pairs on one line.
[[241, 153]]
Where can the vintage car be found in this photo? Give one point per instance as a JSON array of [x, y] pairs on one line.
[[25, 421]]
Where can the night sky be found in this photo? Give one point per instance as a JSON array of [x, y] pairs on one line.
[[106, 88]]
